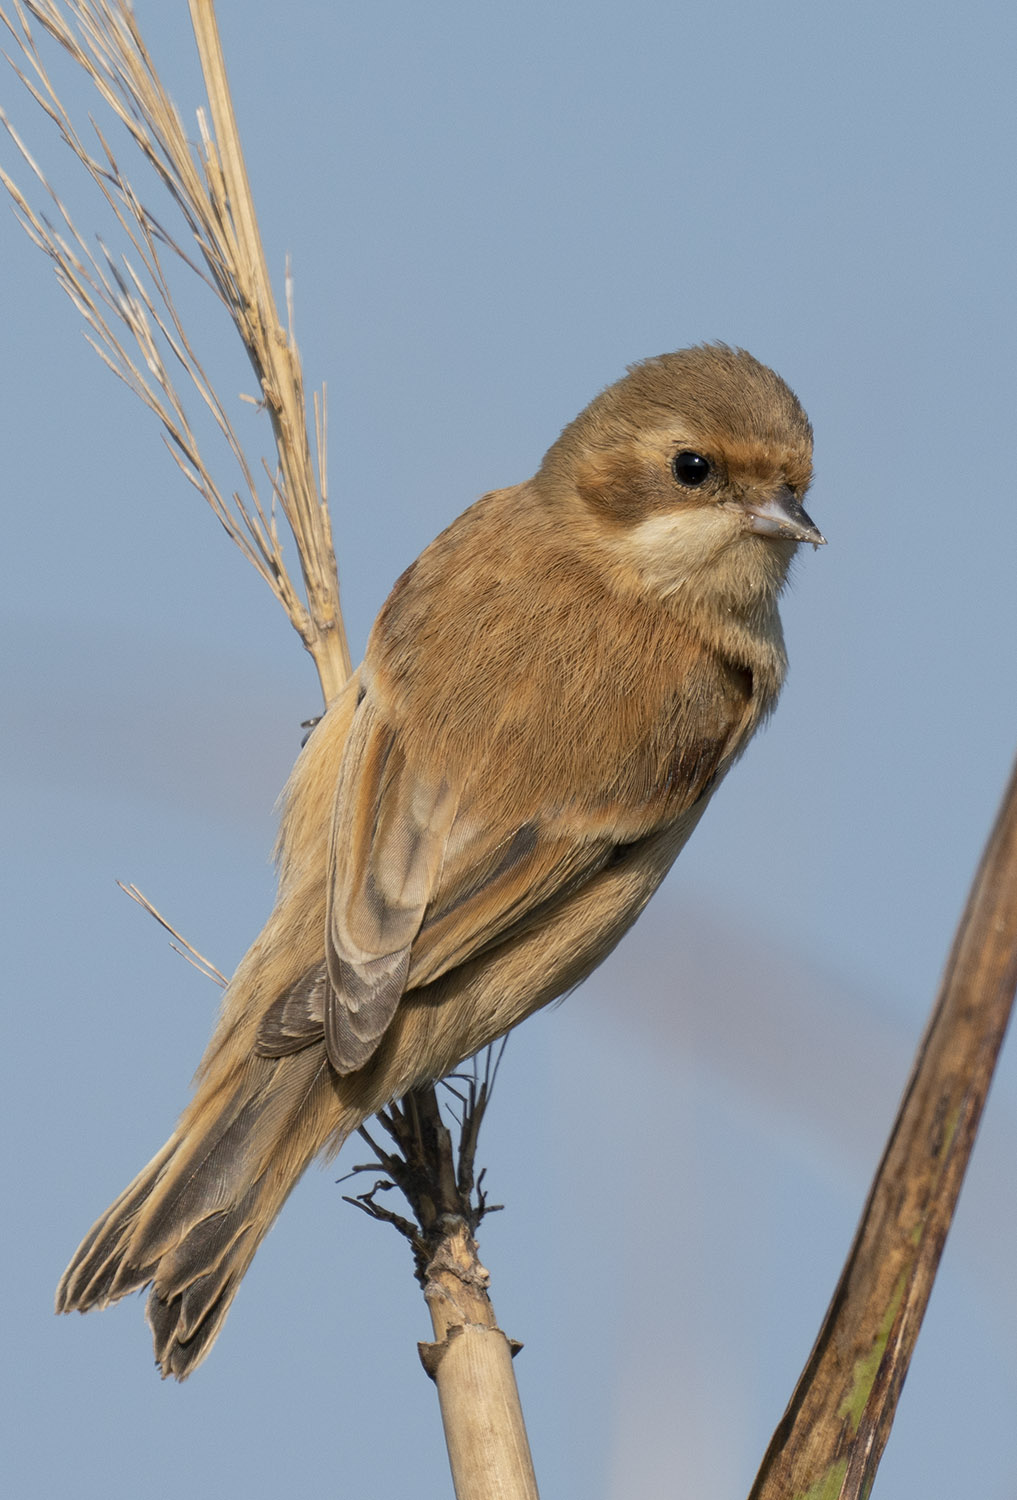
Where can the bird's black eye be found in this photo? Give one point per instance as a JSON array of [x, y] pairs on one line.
[[691, 469]]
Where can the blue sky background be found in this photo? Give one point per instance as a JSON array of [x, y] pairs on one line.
[[491, 211]]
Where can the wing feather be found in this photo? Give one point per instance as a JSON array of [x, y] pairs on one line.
[[419, 882], [388, 841]]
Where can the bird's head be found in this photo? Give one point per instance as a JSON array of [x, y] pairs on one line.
[[690, 475]]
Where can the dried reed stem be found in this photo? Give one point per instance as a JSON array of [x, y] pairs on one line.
[[128, 305], [470, 1360], [273, 353], [831, 1438]]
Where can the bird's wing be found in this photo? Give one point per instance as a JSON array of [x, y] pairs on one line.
[[418, 884], [389, 832]]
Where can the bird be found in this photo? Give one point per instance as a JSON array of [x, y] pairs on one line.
[[548, 700]]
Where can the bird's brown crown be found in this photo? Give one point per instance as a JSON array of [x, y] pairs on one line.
[[711, 399]]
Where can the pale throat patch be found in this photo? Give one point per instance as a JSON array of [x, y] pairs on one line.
[[677, 547]]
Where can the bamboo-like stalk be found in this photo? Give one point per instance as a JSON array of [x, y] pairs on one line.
[[830, 1441], [470, 1359], [488, 1450]]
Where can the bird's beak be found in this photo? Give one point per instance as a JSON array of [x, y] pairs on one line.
[[781, 515]]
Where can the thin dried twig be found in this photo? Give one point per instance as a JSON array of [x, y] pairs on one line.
[[186, 950], [435, 1172], [131, 315]]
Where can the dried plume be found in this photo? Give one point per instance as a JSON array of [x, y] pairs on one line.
[[127, 300]]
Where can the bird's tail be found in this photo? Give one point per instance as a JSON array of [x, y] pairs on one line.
[[191, 1221]]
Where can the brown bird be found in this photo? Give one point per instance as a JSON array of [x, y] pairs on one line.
[[549, 698]]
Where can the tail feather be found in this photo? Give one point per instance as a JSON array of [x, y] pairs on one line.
[[187, 1305], [88, 1280], [190, 1222]]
